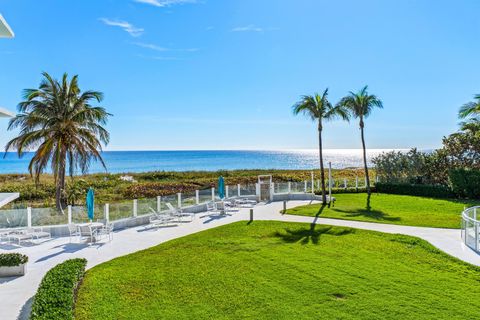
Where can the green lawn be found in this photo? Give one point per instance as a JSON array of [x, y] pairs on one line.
[[393, 209], [277, 270]]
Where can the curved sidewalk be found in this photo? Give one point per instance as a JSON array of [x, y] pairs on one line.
[[16, 293]]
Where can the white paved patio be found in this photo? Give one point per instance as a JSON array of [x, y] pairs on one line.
[[16, 293]]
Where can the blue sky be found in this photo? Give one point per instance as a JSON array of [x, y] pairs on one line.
[[223, 74]]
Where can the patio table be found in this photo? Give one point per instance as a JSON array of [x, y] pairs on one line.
[[93, 225]]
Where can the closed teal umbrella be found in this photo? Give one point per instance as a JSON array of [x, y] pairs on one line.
[[221, 187], [90, 203]]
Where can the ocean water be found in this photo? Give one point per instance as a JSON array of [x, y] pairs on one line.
[[142, 161]]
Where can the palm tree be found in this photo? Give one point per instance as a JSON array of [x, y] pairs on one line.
[[58, 121], [361, 105], [319, 109], [470, 109]]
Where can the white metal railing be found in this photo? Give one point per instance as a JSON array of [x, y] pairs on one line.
[[471, 227]]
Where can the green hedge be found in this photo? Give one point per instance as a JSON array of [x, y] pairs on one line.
[[55, 297], [347, 190], [465, 182], [12, 259], [422, 190]]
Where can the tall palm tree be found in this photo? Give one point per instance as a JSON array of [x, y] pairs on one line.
[[58, 121], [361, 105], [470, 109], [319, 109]]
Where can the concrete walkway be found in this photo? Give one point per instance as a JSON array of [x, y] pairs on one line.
[[16, 293]]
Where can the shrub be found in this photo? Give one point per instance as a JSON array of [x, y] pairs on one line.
[[153, 189], [12, 259], [55, 297], [422, 190], [347, 190], [400, 167], [465, 182]]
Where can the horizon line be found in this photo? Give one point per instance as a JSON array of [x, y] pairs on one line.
[[248, 149]]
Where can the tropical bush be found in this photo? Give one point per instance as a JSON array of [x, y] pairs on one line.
[[465, 182], [12, 259], [56, 294], [401, 167], [451, 169]]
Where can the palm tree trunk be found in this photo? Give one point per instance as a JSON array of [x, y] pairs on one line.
[[322, 170], [60, 200], [367, 178]]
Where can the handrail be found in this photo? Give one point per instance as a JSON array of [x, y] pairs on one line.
[[468, 210]]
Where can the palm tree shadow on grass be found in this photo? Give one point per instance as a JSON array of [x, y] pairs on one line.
[[312, 234], [368, 212]]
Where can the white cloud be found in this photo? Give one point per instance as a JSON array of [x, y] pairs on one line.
[[165, 3], [158, 57], [151, 46], [126, 26], [249, 28], [163, 49]]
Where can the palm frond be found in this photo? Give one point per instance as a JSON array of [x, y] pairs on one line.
[[59, 123]]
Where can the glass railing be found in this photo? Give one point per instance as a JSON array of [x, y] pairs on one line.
[[79, 214], [471, 228], [121, 210], [18, 217], [233, 191], [173, 200], [48, 216], [248, 190], [13, 218], [205, 195], [281, 187], [189, 199], [146, 206]]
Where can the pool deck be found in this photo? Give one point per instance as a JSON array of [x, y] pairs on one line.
[[16, 293]]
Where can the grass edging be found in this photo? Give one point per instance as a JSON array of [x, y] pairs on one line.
[[55, 297]]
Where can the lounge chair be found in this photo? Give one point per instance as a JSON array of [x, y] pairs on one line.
[[4, 233], [19, 235], [159, 219], [244, 203], [178, 213], [38, 233]]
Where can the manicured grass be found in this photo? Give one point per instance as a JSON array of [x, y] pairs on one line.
[[393, 209], [276, 270]]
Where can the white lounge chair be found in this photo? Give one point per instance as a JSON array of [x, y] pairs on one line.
[[4, 234], [245, 203], [19, 235], [159, 219], [178, 213], [38, 233]]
